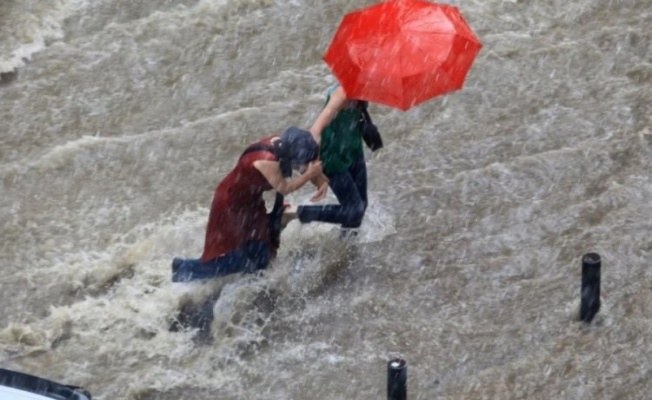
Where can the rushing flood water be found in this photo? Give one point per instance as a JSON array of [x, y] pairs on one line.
[[121, 117]]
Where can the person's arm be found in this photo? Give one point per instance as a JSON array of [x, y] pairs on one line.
[[336, 103], [272, 172], [321, 182]]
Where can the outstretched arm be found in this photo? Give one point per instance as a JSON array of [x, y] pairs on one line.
[[321, 182], [336, 102], [272, 172]]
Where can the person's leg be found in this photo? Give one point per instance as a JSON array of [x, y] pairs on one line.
[[192, 269], [259, 255], [250, 257], [346, 186], [359, 173]]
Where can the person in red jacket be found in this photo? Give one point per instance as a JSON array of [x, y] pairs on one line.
[[241, 236]]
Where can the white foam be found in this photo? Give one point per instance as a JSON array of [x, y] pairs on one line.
[[29, 25]]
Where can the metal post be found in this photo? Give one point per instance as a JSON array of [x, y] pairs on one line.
[[397, 379], [590, 302]]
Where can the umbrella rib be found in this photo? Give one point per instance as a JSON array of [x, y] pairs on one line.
[[423, 50], [402, 86]]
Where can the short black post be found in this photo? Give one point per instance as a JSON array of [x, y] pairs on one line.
[[590, 303], [397, 379]]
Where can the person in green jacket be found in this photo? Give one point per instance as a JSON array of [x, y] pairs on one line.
[[336, 130]]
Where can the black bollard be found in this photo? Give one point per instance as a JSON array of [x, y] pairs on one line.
[[590, 303], [397, 379]]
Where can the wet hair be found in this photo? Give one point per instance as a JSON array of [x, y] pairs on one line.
[[298, 146]]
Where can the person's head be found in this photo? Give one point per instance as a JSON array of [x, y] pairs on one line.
[[299, 147]]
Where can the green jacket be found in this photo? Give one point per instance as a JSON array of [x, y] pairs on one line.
[[341, 142]]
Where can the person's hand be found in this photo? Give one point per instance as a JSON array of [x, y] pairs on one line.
[[314, 169], [321, 192]]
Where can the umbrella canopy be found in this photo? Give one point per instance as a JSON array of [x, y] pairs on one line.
[[402, 52]]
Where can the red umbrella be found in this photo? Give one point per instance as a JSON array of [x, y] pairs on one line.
[[402, 52]]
